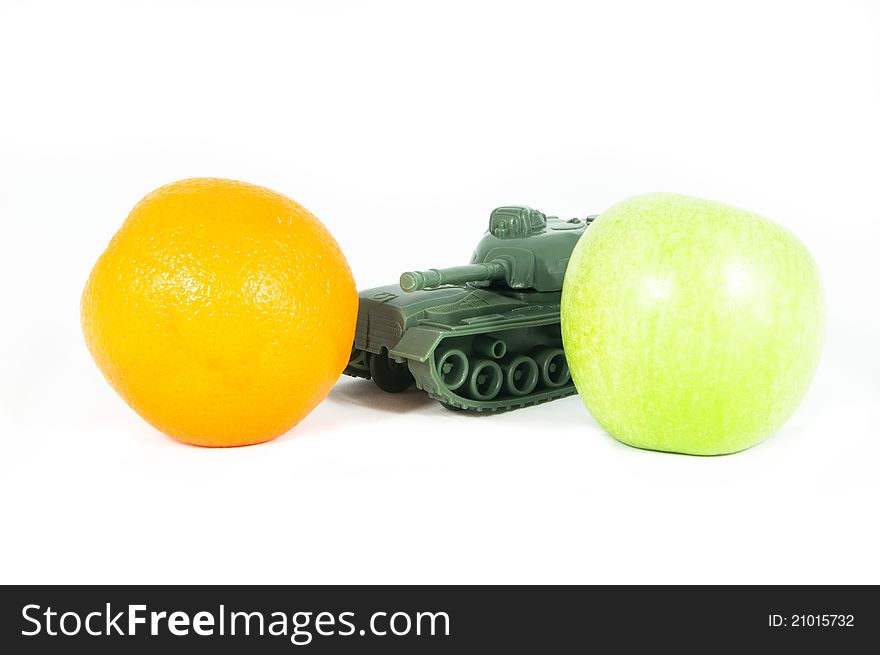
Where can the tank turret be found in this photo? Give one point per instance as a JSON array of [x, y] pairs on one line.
[[522, 247], [484, 336]]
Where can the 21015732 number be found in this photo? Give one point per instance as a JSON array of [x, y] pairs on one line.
[[811, 621]]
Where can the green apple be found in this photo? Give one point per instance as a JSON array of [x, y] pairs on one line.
[[689, 325]]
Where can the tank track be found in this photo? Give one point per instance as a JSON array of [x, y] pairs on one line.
[[545, 362], [360, 369], [568, 390]]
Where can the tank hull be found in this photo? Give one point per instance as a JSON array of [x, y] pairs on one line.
[[470, 348]]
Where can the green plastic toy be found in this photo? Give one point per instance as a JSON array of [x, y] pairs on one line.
[[482, 337]]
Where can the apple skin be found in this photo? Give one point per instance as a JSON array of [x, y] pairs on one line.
[[689, 325]]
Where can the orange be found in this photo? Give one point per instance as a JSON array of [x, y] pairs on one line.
[[222, 312]]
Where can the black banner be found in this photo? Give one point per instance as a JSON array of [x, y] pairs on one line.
[[388, 619]]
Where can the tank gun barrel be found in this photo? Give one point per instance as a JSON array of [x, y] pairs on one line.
[[435, 277]]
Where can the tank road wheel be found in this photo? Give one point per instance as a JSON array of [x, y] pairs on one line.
[[389, 375], [485, 380], [553, 366], [358, 363], [452, 367], [520, 375]]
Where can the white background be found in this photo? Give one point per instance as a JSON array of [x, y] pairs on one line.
[[401, 127]]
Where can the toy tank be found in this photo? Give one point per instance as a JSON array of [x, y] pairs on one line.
[[483, 337]]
